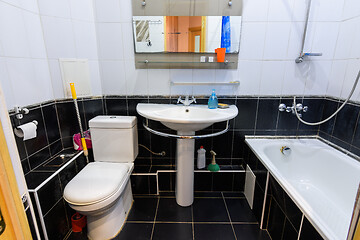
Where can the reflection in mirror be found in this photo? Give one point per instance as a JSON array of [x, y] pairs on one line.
[[194, 34]]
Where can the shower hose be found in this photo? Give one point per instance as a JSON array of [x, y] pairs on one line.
[[332, 115]]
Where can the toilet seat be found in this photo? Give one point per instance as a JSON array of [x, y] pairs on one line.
[[97, 184]]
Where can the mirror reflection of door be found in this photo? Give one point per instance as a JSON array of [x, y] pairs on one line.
[[194, 39], [183, 33]]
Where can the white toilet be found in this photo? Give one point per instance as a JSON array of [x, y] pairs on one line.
[[102, 189]]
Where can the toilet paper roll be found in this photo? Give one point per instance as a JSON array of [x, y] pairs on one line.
[[26, 131]]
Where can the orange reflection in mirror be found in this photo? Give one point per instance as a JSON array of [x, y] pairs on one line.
[[184, 33]]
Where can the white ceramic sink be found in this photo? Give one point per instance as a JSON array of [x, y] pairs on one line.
[[185, 118]]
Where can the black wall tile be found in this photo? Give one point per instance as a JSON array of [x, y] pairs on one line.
[[267, 114], [51, 122], [35, 144], [50, 194], [67, 118], [223, 181], [329, 108], [202, 181], [92, 108], [290, 232], [117, 106], [287, 121], [313, 114], [55, 147], [222, 145], [140, 184], [276, 221], [39, 158], [56, 223], [247, 113], [345, 124], [67, 174], [309, 232]]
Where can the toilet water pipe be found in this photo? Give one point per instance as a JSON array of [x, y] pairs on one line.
[[83, 142], [332, 115]]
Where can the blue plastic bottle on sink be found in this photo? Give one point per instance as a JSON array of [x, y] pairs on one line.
[[213, 100]]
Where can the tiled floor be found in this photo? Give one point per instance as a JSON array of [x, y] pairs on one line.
[[212, 216]]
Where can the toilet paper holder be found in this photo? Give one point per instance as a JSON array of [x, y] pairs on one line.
[[20, 112], [19, 133]]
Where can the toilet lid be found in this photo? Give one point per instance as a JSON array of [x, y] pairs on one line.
[[95, 182]]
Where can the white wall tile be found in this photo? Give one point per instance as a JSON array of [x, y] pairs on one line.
[[6, 85], [203, 75], [95, 78], [107, 11], [159, 81], [29, 5], [113, 77], [336, 80], [255, 10], [328, 10], [350, 76], [110, 41], [136, 80], [82, 10], [277, 40], [355, 49], [325, 39], [85, 40], [272, 77], [128, 41], [318, 78], [250, 77], [281, 10], [125, 11], [31, 80], [56, 80], [181, 75], [34, 35], [300, 10], [345, 39], [41, 81], [295, 40], [55, 8], [351, 9], [59, 37], [295, 78], [252, 40], [13, 33]]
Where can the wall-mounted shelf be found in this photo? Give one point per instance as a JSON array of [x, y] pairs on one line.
[[166, 62], [206, 83]]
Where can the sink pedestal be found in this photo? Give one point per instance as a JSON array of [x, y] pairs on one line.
[[184, 189]]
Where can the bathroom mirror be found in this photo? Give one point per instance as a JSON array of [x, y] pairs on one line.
[[186, 34]]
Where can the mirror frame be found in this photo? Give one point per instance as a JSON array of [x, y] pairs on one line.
[[184, 8]]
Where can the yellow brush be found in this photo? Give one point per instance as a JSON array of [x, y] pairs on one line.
[[83, 142]]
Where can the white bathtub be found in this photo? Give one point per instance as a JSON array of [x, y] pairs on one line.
[[321, 180]]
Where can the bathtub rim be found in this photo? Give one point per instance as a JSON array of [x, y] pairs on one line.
[[291, 192]]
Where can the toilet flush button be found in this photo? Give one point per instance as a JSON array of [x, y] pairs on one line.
[[113, 117]]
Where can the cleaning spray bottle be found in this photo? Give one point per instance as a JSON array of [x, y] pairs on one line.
[[201, 158], [213, 100], [213, 167]]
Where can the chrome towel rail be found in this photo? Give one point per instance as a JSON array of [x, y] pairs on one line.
[[145, 124]]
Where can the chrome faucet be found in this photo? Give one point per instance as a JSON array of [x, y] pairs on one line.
[[299, 108], [187, 101]]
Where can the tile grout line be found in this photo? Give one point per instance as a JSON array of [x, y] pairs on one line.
[[227, 210], [157, 207], [192, 221]]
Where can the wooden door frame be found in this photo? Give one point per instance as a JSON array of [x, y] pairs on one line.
[[16, 220]]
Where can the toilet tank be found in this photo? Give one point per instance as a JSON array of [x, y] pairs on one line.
[[114, 138]]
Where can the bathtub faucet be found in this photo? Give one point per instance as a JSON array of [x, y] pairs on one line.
[[299, 108]]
